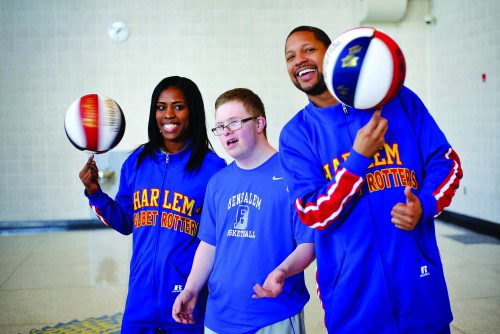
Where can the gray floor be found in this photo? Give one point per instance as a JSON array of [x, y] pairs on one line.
[[55, 278]]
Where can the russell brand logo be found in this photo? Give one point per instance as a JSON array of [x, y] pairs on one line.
[[424, 272], [177, 288]]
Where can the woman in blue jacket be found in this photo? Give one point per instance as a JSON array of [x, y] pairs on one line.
[[159, 200]]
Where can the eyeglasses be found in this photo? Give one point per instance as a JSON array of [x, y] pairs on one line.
[[234, 125]]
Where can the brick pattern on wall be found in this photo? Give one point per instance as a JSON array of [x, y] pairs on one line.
[[52, 52], [464, 45]]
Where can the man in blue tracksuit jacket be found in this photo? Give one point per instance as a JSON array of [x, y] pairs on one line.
[[370, 183]]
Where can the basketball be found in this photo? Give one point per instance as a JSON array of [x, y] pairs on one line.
[[94, 123], [364, 68]]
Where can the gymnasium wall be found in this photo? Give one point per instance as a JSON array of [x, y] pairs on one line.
[[464, 45], [53, 51]]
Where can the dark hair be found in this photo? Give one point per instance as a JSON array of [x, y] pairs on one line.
[[319, 34], [251, 101], [197, 130]]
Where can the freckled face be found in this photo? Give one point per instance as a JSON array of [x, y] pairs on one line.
[[172, 117], [304, 56], [238, 144]]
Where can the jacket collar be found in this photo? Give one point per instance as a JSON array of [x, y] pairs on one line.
[[174, 158]]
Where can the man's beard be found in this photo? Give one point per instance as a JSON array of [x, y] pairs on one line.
[[317, 89]]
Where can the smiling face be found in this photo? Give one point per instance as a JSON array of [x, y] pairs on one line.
[[172, 117], [239, 144], [304, 56]]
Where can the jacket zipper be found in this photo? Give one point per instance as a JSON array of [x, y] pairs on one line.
[[346, 113], [167, 159]]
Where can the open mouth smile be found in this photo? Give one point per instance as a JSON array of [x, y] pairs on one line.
[[169, 127], [303, 72]]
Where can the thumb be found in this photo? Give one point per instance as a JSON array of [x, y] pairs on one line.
[[410, 196]]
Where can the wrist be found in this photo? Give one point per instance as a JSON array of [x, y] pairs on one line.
[[193, 288], [282, 271], [357, 163]]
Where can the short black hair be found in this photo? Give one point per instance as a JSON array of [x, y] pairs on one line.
[[318, 33]]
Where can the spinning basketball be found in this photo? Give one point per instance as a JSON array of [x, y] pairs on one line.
[[364, 68], [94, 123]]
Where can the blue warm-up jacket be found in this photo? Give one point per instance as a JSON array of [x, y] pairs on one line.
[[372, 276], [160, 203]]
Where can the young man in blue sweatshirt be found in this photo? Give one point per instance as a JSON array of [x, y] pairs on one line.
[[253, 248]]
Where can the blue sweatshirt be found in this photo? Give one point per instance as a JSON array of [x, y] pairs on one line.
[[249, 219], [372, 276], [161, 204]]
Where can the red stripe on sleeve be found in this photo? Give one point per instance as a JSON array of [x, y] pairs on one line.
[[328, 207], [446, 190], [98, 214]]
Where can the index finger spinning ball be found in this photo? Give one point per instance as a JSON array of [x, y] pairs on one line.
[[364, 68], [94, 123]]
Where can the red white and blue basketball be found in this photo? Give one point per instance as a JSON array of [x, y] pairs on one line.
[[94, 123], [364, 68]]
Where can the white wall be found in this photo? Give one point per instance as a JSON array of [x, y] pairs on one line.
[[464, 44], [53, 51]]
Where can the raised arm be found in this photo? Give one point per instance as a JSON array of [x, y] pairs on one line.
[[116, 213], [320, 202]]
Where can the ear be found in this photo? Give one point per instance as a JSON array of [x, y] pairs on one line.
[[261, 123]]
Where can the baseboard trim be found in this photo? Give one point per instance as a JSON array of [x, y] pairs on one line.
[[474, 224], [36, 226]]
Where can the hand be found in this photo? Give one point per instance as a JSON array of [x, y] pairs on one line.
[[89, 176], [182, 310], [272, 287], [406, 216], [370, 138]]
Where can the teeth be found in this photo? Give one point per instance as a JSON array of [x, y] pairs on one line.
[[232, 141], [301, 73], [169, 126]]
